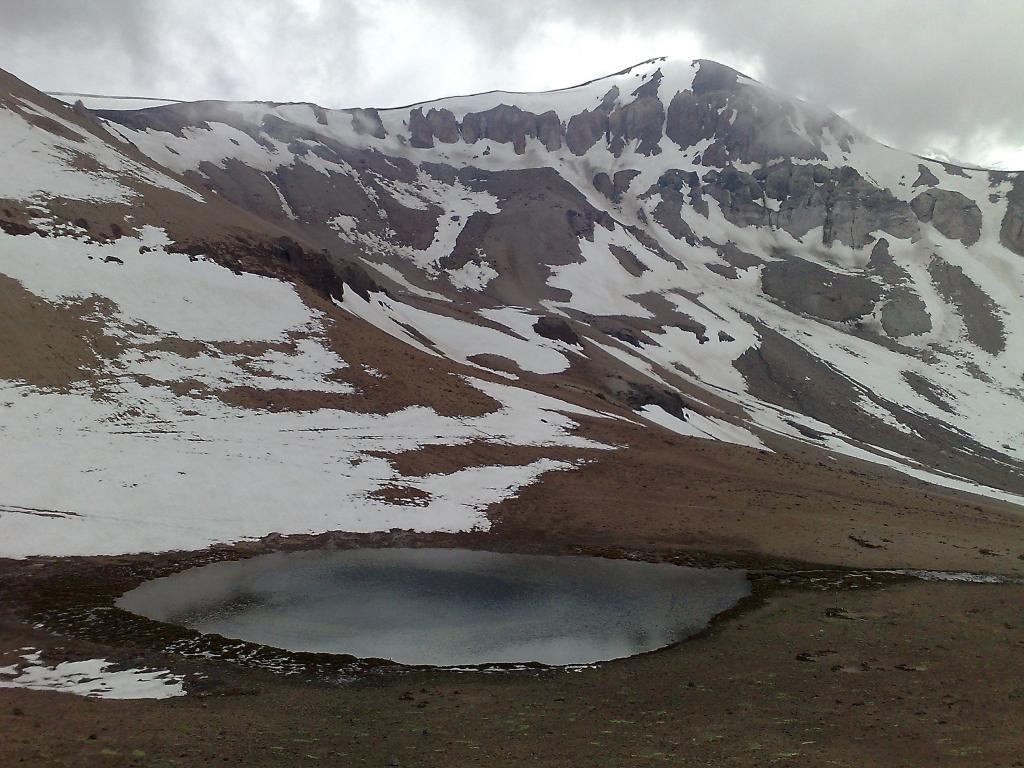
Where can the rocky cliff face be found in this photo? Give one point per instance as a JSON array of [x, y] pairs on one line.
[[675, 241]]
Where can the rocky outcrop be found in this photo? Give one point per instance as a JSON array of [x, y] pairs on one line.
[[881, 263], [851, 209], [420, 134], [738, 258], [904, 314], [622, 179], [505, 124], [587, 127], [691, 119], [727, 271], [628, 260], [603, 184], [539, 224], [284, 258], [1011, 231], [175, 118], [616, 186], [810, 289], [696, 114], [955, 215], [674, 187], [925, 177], [977, 310], [366, 122], [557, 329], [749, 124], [641, 120], [437, 123], [847, 207], [636, 396]]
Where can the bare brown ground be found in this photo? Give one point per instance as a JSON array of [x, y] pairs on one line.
[[665, 493], [916, 675], [46, 345]]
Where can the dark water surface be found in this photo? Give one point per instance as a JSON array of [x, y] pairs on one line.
[[444, 606]]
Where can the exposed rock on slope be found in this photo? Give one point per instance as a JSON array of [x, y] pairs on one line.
[[675, 244], [955, 215]]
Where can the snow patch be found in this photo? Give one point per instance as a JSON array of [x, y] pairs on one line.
[[472, 276], [188, 297], [92, 677], [706, 427], [37, 164]]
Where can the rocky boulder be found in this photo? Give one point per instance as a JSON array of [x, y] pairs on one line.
[[557, 329], [955, 215]]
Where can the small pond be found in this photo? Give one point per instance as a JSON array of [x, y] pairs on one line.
[[445, 607]]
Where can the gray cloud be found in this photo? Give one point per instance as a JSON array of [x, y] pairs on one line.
[[920, 75]]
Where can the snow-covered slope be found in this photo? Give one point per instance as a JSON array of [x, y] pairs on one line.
[[677, 244], [154, 399], [729, 234]]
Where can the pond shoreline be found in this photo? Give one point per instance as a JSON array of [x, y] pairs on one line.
[[75, 597]]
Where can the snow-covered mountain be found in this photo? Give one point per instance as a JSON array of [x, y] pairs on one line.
[[226, 319]]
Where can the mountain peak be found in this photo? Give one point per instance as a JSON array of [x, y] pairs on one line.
[[675, 245]]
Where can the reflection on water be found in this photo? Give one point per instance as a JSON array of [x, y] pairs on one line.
[[444, 606]]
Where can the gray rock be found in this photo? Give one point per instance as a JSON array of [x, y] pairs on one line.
[[614, 187], [805, 287], [977, 309], [556, 328], [881, 263], [508, 124], [420, 134], [368, 122], [622, 179], [925, 177], [1011, 231], [750, 124], [846, 206], [955, 215], [668, 211], [443, 125], [725, 270], [641, 120], [905, 314], [732, 254], [712, 76], [691, 119], [858, 208], [584, 129], [603, 184]]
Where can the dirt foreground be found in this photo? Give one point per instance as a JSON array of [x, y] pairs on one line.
[[912, 674]]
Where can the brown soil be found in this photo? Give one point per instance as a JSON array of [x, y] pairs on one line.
[[666, 493], [50, 346], [910, 675]]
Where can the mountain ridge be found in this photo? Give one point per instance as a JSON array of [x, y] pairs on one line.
[[685, 251]]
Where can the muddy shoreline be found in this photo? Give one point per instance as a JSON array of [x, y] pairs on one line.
[[819, 666], [74, 598]]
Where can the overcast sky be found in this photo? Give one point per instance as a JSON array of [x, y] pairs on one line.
[[932, 76]]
